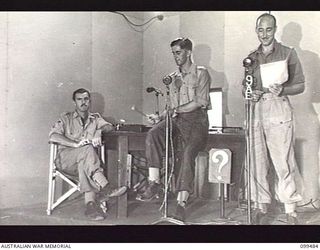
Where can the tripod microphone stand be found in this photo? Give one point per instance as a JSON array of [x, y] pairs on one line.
[[168, 121]]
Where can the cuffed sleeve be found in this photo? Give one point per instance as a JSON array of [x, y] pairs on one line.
[[58, 127], [202, 90]]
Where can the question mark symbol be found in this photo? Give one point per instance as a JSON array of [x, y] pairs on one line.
[[223, 162]]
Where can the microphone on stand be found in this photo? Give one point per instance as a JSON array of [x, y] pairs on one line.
[[167, 80], [249, 85], [249, 80], [152, 89], [247, 63]]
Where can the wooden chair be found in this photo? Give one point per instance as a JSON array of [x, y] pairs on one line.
[[54, 173]]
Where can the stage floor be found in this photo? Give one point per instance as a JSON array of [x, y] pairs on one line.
[[199, 212]]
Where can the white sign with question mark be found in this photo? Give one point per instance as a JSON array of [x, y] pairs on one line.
[[219, 166]]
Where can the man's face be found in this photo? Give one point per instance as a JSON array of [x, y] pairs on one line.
[[82, 102], [180, 55], [265, 30]]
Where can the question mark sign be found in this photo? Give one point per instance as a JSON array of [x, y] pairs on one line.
[[223, 162]]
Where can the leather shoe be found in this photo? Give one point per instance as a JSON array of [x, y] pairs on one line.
[[94, 212], [292, 220], [152, 191], [107, 193], [259, 218], [180, 213]]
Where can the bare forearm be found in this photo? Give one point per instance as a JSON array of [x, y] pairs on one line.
[[188, 107], [293, 89], [62, 140], [107, 128]]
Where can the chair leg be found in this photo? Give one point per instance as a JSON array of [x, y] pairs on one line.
[[53, 149]]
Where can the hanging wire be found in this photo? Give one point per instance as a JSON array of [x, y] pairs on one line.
[[159, 17]]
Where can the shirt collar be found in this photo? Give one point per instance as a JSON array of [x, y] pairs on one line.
[[276, 45], [76, 114], [192, 70]]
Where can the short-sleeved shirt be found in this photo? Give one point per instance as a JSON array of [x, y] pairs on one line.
[[279, 52], [71, 126], [193, 85]]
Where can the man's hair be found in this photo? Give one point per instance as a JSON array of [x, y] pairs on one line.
[[79, 91], [184, 43], [267, 15]]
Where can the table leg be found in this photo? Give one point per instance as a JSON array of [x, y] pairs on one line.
[[122, 209]]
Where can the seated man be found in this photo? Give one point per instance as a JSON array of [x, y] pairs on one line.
[[78, 133], [189, 96]]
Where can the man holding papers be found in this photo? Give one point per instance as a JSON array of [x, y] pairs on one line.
[[277, 73]]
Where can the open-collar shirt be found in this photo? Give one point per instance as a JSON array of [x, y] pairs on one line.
[[193, 85]]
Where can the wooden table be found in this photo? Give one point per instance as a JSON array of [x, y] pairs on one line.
[[124, 142]]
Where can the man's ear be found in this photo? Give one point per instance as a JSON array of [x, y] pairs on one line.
[[189, 52]]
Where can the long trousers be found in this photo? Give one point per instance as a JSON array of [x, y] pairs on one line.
[[272, 135], [80, 162], [192, 128]]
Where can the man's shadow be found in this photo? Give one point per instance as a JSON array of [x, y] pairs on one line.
[[202, 57], [97, 106], [307, 121]]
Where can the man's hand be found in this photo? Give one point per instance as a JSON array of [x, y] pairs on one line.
[[153, 118], [256, 94], [276, 89], [82, 143], [96, 142]]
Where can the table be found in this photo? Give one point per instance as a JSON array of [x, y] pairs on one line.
[[124, 142]]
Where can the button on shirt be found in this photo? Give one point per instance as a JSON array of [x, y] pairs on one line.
[[193, 85], [279, 52], [71, 126]]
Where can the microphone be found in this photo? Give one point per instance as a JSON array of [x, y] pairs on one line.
[[152, 89], [167, 80], [247, 63], [249, 79]]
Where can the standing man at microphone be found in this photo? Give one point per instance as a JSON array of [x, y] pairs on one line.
[[189, 97], [272, 133]]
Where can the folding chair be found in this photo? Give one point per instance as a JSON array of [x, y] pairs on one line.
[[54, 173]]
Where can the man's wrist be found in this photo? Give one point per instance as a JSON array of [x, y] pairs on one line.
[[281, 91]]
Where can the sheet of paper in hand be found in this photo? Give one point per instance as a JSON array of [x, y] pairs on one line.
[[275, 72]]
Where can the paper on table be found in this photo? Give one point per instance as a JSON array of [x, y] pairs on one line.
[[274, 73]]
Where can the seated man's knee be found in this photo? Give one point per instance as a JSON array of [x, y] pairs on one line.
[[152, 135], [190, 152]]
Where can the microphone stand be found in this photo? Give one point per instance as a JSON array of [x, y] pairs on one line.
[[248, 159], [247, 63], [157, 103], [168, 120]]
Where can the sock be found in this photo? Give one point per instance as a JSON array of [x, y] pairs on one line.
[[290, 207], [89, 196], [182, 198], [293, 214], [100, 179], [154, 174]]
